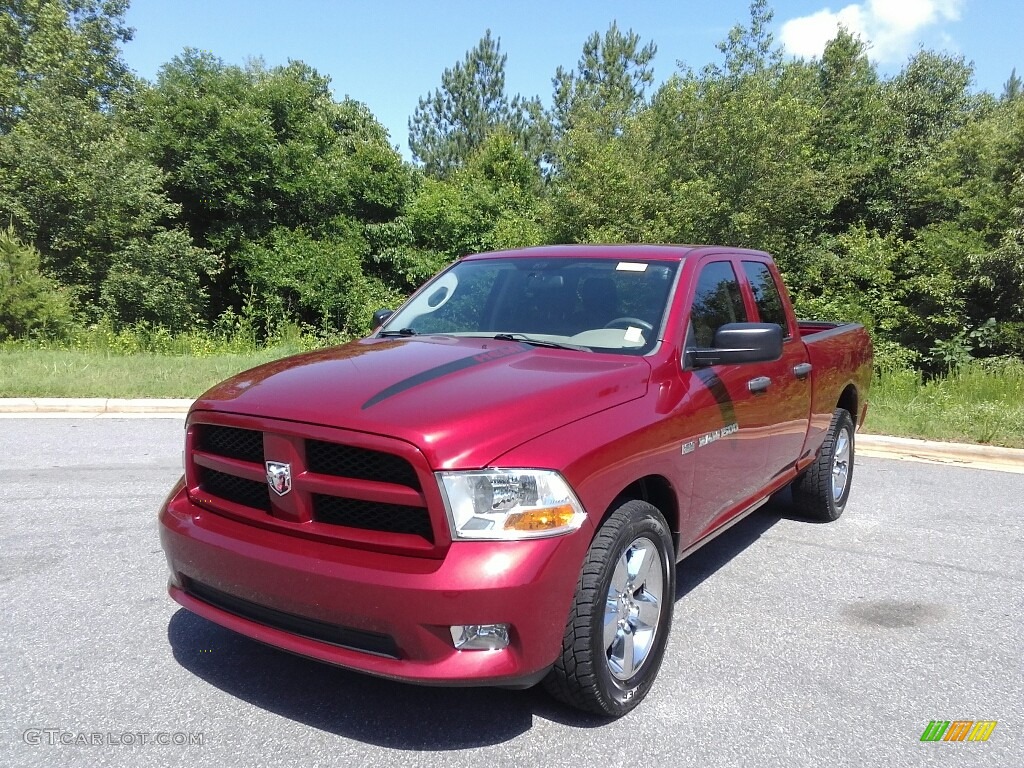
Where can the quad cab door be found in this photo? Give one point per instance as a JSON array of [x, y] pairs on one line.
[[724, 434], [787, 392], [732, 410]]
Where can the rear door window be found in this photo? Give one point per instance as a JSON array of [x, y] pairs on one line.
[[766, 294]]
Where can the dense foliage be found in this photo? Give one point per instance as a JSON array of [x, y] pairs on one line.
[[224, 194]]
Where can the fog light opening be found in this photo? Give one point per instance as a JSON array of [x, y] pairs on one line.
[[480, 637]]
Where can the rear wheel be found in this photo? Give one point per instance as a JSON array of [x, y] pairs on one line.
[[617, 629], [822, 491]]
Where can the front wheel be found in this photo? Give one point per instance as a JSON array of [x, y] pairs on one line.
[[822, 491], [618, 627]]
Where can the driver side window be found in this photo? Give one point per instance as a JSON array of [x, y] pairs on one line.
[[717, 301]]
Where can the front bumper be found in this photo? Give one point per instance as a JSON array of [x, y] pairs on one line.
[[382, 614]]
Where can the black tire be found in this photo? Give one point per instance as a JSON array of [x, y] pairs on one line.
[[821, 492], [605, 677]]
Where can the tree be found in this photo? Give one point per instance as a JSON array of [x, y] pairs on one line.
[[31, 302], [932, 98], [616, 188], [973, 190], [1013, 87], [1000, 279], [252, 151], [492, 202], [74, 177], [248, 149], [749, 50], [68, 48], [161, 280], [610, 80], [852, 135], [314, 281], [77, 184], [743, 144], [452, 122]]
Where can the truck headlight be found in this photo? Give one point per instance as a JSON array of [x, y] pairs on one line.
[[509, 504]]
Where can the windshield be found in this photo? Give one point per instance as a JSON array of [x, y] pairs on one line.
[[598, 304]]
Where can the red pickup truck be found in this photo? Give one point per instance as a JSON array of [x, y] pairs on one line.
[[495, 487]]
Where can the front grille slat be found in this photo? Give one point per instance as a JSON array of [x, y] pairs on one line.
[[248, 493], [359, 463], [372, 515]]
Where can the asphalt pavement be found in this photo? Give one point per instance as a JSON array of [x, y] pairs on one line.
[[794, 644]]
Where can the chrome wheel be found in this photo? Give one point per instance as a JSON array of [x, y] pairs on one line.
[[841, 465], [610, 657], [633, 607], [821, 492]]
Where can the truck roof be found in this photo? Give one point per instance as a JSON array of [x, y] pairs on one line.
[[614, 252]]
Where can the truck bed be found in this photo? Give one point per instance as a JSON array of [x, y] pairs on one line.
[[814, 327], [840, 354]]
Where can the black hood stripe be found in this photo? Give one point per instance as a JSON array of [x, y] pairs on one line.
[[443, 370]]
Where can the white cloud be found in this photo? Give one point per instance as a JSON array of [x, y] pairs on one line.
[[807, 35], [891, 26]]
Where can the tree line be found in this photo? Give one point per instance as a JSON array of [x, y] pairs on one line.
[[221, 191]]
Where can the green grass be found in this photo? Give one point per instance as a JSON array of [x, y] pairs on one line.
[[141, 361], [79, 373], [975, 404]]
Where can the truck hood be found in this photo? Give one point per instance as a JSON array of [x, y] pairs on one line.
[[461, 401]]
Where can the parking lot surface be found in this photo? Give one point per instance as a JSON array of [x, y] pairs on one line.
[[794, 644]]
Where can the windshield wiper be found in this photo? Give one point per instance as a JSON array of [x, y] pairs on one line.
[[402, 332], [540, 342]]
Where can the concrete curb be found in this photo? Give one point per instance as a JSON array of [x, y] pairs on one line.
[[879, 446], [93, 405], [934, 452]]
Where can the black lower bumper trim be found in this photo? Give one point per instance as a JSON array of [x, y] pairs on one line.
[[322, 631]]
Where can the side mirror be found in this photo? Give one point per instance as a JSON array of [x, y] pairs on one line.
[[381, 316], [737, 343]]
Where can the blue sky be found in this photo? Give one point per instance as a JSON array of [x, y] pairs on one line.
[[390, 52]]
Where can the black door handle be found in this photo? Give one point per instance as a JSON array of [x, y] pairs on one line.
[[760, 384], [803, 370]]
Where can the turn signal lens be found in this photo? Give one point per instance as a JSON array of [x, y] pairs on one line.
[[540, 519]]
